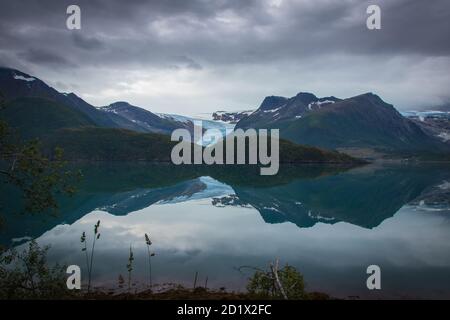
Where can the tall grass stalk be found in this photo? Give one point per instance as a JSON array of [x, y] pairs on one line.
[[130, 267], [90, 262], [148, 242]]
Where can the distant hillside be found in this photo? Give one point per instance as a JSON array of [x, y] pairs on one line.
[[295, 153], [435, 122], [291, 153], [100, 144], [142, 120], [363, 121]]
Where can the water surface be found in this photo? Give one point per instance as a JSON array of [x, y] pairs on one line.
[[328, 222]]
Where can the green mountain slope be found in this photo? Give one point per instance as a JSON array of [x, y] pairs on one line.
[[364, 121], [58, 125], [38, 117], [107, 144]]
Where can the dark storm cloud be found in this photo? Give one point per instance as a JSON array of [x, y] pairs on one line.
[[87, 43], [40, 56], [230, 31], [200, 35]]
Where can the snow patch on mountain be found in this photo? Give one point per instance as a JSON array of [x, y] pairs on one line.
[[19, 77], [110, 110], [273, 110], [435, 122], [319, 103], [319, 217], [445, 136], [174, 117]]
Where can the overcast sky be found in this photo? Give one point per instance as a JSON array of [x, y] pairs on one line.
[[193, 56]]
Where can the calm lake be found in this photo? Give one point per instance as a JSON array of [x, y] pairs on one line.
[[330, 223]]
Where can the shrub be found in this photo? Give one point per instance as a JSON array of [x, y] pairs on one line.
[[26, 275], [263, 284]]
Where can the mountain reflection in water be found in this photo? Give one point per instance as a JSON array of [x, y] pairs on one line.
[[330, 222]]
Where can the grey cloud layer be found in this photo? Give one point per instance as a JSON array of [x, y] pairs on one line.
[[203, 34]]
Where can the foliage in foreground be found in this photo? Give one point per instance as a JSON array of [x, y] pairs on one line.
[[264, 284], [26, 275], [40, 179]]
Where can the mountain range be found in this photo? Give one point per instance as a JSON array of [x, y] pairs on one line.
[[362, 126], [118, 132], [15, 84], [361, 123]]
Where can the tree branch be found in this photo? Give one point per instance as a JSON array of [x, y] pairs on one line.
[[277, 279]]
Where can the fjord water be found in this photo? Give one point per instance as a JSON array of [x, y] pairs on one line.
[[331, 223]]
